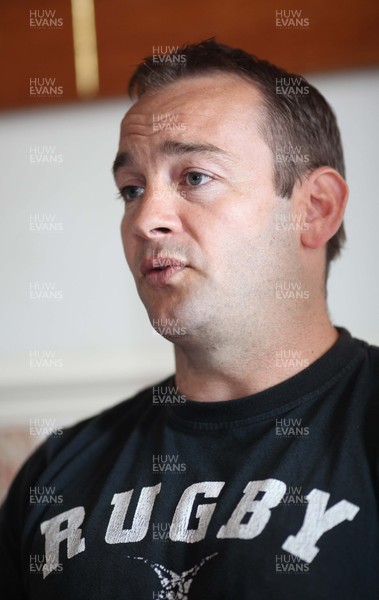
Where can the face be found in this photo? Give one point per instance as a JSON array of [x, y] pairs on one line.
[[198, 230]]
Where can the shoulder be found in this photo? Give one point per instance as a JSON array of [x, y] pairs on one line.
[[118, 420], [91, 436], [365, 392], [370, 363], [363, 381], [359, 356], [373, 357]]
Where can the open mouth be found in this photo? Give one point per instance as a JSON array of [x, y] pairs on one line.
[[161, 264], [158, 271], [168, 265], [172, 267]]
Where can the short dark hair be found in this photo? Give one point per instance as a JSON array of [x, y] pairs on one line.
[[296, 114]]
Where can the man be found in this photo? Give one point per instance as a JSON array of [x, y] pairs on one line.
[[251, 473]]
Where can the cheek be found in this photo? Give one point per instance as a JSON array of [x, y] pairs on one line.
[[250, 237], [127, 241]]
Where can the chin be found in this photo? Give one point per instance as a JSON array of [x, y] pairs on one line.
[[173, 337], [177, 321]]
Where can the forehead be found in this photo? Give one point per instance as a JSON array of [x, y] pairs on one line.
[[215, 103]]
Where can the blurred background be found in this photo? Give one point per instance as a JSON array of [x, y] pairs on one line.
[[74, 337]]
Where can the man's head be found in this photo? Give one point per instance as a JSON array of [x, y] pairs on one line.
[[206, 202], [298, 124]]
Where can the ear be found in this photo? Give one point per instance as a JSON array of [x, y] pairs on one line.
[[325, 195]]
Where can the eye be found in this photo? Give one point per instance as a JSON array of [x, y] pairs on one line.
[[130, 192], [195, 179]]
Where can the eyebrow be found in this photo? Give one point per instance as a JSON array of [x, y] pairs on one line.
[[123, 159], [171, 148]]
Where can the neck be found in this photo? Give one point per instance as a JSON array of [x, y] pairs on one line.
[[241, 365]]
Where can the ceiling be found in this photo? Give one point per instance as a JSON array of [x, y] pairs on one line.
[[82, 50]]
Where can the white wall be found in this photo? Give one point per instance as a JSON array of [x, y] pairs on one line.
[[99, 329], [353, 290]]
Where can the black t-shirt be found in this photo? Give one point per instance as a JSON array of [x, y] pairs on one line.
[[272, 496]]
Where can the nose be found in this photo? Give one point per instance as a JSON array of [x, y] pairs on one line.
[[157, 213]]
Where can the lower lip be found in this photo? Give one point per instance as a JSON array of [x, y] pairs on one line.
[[158, 278]]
